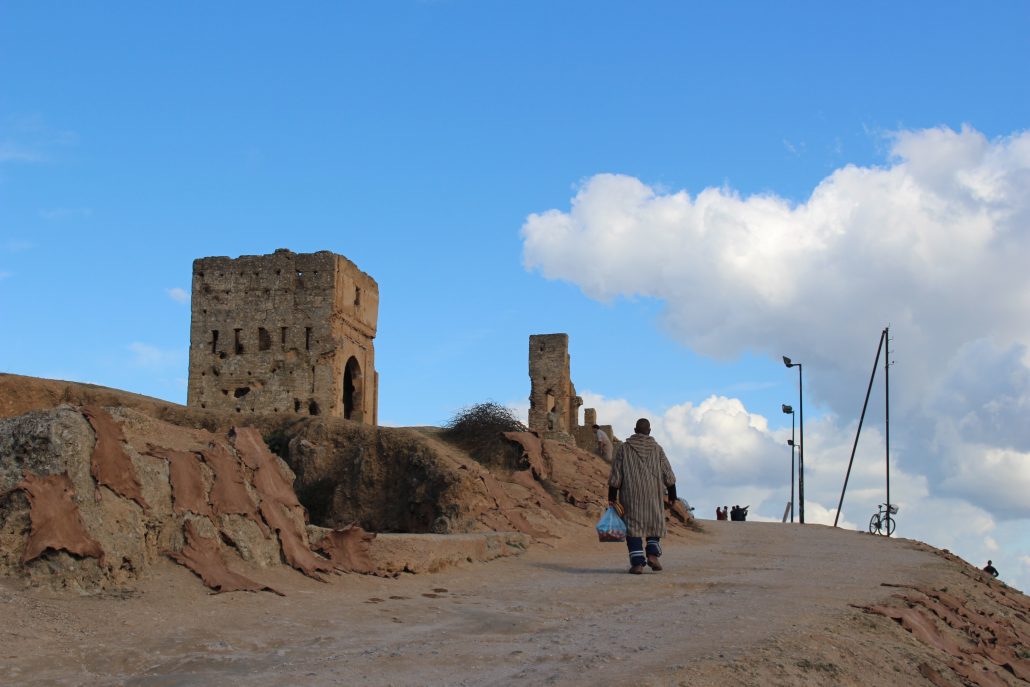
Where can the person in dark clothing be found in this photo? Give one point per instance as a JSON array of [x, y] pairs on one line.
[[990, 569], [640, 473]]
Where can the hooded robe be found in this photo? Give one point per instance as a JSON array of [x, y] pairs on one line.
[[642, 473]]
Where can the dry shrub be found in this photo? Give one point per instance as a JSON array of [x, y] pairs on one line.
[[479, 430]]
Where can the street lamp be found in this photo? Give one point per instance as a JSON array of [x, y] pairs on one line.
[[790, 442], [801, 451]]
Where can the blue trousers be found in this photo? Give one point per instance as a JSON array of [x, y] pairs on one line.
[[638, 553]]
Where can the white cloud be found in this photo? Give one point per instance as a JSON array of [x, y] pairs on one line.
[[933, 243], [178, 295]]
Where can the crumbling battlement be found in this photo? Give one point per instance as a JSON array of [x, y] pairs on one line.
[[553, 403], [284, 333]]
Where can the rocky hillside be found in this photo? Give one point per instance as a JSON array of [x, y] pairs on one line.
[[97, 484]]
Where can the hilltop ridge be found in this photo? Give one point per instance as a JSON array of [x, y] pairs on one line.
[[739, 603]]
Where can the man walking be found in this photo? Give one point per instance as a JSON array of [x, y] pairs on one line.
[[640, 472]]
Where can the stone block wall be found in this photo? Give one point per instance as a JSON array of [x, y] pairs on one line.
[[551, 385], [284, 333]]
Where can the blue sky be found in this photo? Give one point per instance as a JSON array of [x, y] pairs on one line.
[[418, 139]]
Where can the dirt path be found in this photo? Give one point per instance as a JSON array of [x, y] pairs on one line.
[[567, 617]]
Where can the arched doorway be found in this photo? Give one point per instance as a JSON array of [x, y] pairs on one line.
[[352, 390]]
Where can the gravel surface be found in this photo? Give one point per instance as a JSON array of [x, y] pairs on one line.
[[566, 615]]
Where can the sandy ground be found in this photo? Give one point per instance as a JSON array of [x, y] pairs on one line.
[[568, 616]]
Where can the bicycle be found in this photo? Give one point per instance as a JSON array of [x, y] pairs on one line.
[[882, 522]]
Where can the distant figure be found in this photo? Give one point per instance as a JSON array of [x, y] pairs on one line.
[[552, 419], [990, 569], [719, 515], [604, 444], [640, 472], [739, 514]]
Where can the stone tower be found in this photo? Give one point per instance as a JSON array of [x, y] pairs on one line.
[[284, 333], [551, 387]]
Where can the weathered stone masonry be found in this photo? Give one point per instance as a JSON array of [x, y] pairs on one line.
[[284, 333], [551, 389]]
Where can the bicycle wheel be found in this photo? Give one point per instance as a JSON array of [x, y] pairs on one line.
[[874, 524], [888, 525]]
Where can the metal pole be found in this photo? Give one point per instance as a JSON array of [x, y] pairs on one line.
[[887, 422], [861, 419], [792, 467], [801, 453]]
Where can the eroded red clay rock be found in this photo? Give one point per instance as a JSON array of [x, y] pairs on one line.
[[56, 522], [980, 645], [348, 549], [201, 555], [269, 479], [189, 490], [229, 494], [111, 466]]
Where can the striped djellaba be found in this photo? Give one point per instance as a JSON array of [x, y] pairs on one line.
[[641, 472]]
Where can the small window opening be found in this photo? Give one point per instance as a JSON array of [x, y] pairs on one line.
[[264, 339], [214, 340], [282, 335], [241, 391], [296, 405], [312, 408], [307, 338], [237, 344], [357, 296], [225, 392]]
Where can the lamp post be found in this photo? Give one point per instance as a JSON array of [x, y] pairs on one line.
[[801, 451], [790, 442]]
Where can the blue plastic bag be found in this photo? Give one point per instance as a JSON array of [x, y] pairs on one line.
[[611, 527]]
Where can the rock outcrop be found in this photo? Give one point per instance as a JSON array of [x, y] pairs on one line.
[[149, 479], [93, 497]]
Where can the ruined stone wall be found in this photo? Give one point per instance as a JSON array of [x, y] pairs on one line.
[[284, 333], [551, 385], [586, 436]]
